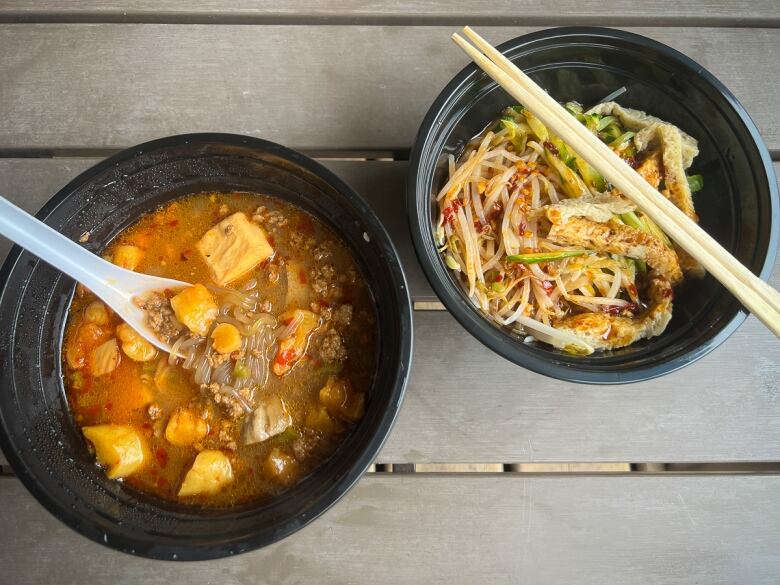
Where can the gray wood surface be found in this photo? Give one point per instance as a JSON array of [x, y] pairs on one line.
[[499, 12], [87, 86], [456, 529], [352, 77], [467, 405]]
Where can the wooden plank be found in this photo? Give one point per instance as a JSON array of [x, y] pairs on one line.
[[467, 405], [498, 12], [458, 530], [312, 87]]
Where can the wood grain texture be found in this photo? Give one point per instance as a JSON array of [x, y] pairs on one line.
[[456, 530], [500, 12], [467, 405], [312, 87]]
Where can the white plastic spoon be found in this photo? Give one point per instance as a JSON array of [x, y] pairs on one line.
[[115, 286]]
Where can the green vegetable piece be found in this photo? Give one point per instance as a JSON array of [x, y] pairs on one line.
[[573, 185], [610, 133], [641, 265], [539, 129], [654, 230], [451, 263], [519, 109], [241, 370], [498, 287], [573, 108], [563, 151], [579, 164], [632, 219], [695, 183], [590, 175], [516, 134], [605, 121], [536, 257], [622, 139], [591, 122]]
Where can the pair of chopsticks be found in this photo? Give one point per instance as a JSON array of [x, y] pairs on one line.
[[756, 295]]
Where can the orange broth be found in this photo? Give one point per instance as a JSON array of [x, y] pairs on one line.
[[134, 390]]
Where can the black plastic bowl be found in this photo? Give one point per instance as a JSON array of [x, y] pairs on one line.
[[37, 434], [738, 206]]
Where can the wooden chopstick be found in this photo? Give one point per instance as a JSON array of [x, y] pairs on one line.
[[757, 296]]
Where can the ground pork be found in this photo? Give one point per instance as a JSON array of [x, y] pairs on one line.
[[160, 317], [332, 347]]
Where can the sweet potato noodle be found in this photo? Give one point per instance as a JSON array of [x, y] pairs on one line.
[[545, 246], [273, 352]]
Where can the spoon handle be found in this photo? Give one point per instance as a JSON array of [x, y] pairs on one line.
[[52, 247]]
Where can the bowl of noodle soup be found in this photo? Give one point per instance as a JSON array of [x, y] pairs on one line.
[[40, 431]]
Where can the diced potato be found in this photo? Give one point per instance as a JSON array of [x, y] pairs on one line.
[[104, 359], [185, 428], [88, 336], [270, 418], [135, 346], [281, 466], [320, 420], [226, 338], [233, 247], [298, 291], [293, 347], [196, 308], [341, 400], [210, 472], [118, 448], [97, 313], [128, 257]]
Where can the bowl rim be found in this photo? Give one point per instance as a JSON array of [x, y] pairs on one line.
[[495, 338], [368, 451]]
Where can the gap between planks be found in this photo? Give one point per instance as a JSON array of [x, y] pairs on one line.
[[399, 20]]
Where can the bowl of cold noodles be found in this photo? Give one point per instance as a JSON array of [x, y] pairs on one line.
[[540, 257], [289, 348]]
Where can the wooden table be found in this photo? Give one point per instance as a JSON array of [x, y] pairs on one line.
[[349, 84]]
